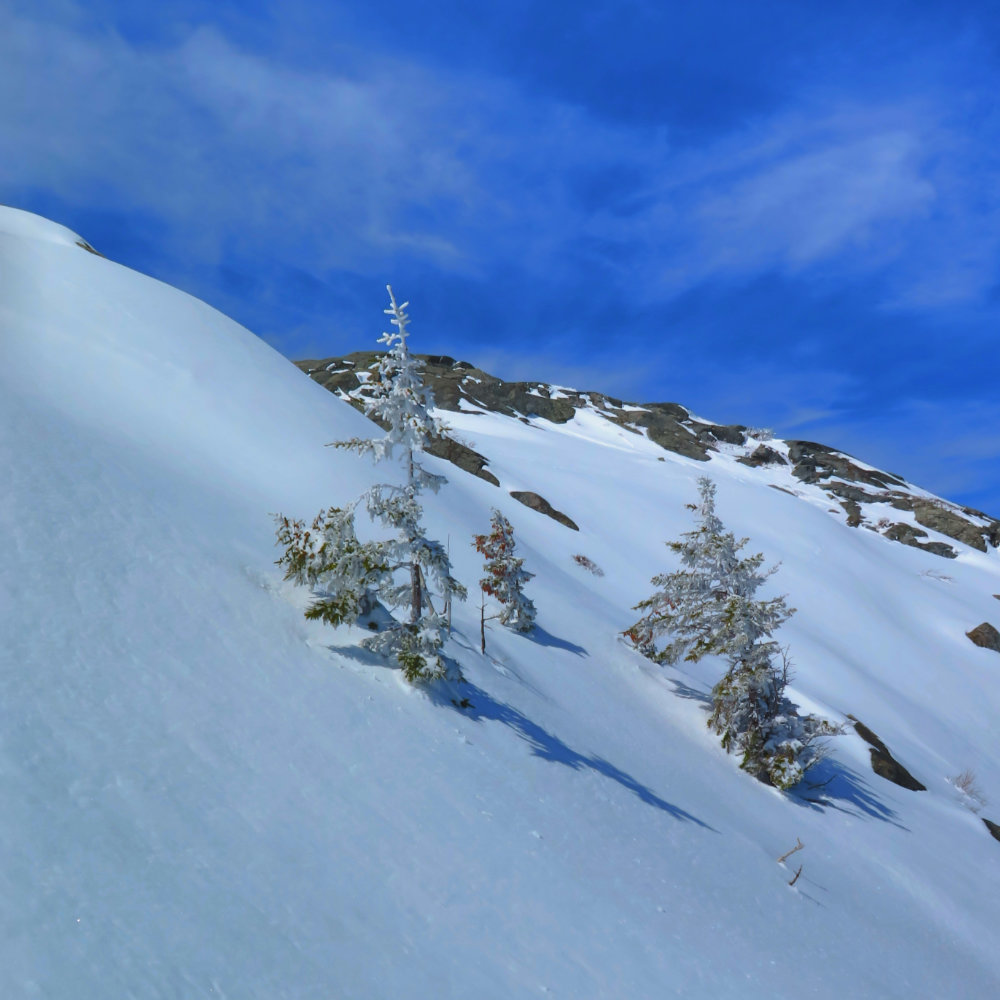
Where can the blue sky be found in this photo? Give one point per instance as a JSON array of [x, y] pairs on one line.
[[777, 213]]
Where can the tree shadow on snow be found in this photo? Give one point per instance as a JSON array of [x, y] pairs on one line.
[[480, 707], [831, 784], [352, 651], [685, 690], [542, 638]]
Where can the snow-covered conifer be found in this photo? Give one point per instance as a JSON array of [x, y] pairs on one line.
[[352, 569], [686, 604], [328, 557], [709, 607], [755, 719], [505, 574]]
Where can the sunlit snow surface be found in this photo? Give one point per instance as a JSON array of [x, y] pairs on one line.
[[203, 795]]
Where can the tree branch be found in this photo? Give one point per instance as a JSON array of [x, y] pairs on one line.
[[798, 847]]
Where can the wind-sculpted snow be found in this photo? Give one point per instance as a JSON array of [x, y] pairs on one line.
[[205, 795]]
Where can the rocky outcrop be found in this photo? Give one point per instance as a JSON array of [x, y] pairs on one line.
[[664, 424], [883, 763], [535, 502], [814, 463], [342, 376], [986, 636], [458, 385], [908, 535], [939, 518], [994, 828], [762, 455], [464, 457], [855, 486]]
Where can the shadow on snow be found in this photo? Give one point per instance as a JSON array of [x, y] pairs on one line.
[[539, 636], [831, 784], [481, 707]]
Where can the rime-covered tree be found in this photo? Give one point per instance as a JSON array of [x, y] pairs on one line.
[[686, 604], [349, 571], [709, 606], [328, 557], [505, 574]]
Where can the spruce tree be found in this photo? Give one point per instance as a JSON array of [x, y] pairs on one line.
[[353, 573], [328, 557], [505, 574], [709, 607], [686, 604]]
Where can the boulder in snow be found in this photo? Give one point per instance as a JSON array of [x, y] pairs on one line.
[[985, 635], [883, 763]]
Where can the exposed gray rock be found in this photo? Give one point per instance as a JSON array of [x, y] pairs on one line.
[[994, 828], [939, 518], [819, 465], [853, 509], [730, 433], [905, 533], [458, 385], [986, 636], [340, 376], [908, 535], [883, 763], [464, 457], [846, 491], [536, 502], [762, 455], [667, 424], [814, 462]]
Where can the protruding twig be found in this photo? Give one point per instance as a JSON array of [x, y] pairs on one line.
[[797, 874], [798, 847]]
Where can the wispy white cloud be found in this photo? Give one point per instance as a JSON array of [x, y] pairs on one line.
[[359, 162], [854, 192], [229, 146], [347, 167]]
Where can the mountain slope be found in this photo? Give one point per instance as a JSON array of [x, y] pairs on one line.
[[868, 496], [208, 796]]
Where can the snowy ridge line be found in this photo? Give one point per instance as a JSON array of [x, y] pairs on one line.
[[913, 517]]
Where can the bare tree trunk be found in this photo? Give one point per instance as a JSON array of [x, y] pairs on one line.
[[426, 592], [482, 623], [416, 597], [447, 596]]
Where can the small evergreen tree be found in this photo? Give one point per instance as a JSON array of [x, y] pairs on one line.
[[353, 573], [328, 557], [686, 606], [709, 607], [505, 574]]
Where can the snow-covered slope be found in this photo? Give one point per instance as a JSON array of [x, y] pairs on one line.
[[207, 796]]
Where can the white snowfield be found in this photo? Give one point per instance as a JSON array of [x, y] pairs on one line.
[[202, 795]]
